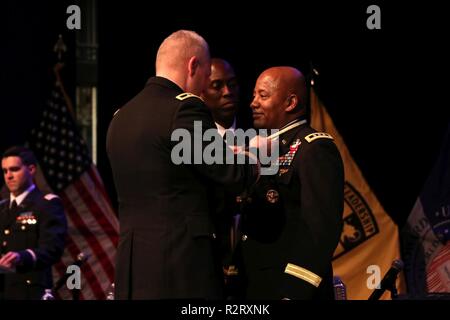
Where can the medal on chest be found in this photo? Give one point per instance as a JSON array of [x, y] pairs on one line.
[[286, 159]]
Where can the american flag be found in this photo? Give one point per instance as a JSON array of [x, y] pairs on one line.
[[70, 173]]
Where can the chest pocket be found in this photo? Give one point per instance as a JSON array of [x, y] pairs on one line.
[[263, 212]]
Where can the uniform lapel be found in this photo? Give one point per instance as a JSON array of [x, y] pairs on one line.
[[4, 214], [9, 214], [29, 199]]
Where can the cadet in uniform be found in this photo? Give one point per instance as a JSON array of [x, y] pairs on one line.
[[167, 239], [32, 230], [292, 220]]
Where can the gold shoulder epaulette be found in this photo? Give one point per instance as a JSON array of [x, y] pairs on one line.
[[185, 95], [50, 196], [317, 135]]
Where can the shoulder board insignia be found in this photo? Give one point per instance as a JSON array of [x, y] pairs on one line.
[[317, 135], [50, 196], [185, 95], [116, 112], [3, 201]]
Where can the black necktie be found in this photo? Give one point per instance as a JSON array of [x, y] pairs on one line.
[[11, 214], [13, 206]]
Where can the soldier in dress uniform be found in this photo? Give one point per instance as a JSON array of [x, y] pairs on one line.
[[33, 228], [167, 244], [292, 220], [221, 96]]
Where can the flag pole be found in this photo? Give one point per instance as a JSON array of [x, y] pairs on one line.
[[311, 78], [60, 49], [313, 74]]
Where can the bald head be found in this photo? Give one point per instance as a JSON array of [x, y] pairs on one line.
[[279, 97], [183, 57], [287, 80]]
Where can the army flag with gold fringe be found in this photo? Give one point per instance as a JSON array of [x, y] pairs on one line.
[[369, 238]]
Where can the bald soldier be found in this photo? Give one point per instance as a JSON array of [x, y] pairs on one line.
[[167, 238], [292, 221]]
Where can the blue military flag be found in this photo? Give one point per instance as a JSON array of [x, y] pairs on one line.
[[425, 238]]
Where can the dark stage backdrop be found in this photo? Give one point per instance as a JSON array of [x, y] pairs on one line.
[[381, 87]]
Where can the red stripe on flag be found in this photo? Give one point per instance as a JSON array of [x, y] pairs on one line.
[[97, 249], [88, 273], [97, 213], [93, 173], [73, 251], [60, 267]]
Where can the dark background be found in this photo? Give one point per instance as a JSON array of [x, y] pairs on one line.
[[383, 88]]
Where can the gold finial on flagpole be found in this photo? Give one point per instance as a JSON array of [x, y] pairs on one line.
[[60, 48], [313, 73]]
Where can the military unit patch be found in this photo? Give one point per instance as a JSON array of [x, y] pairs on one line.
[[272, 196]]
